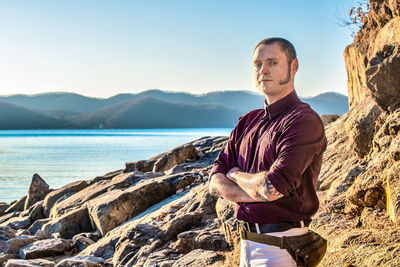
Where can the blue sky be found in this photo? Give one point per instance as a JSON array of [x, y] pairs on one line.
[[103, 48]]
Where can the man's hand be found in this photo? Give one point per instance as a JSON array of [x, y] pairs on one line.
[[256, 185], [223, 187], [229, 174]]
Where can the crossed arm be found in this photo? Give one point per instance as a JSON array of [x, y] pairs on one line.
[[238, 186]]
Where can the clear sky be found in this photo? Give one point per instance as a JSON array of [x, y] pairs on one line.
[[103, 48]]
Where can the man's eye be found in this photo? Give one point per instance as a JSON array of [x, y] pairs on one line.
[[258, 66], [272, 63]]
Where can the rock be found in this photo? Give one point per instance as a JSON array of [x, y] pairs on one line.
[[141, 165], [18, 222], [75, 201], [175, 157], [53, 196], [42, 234], [45, 248], [17, 206], [6, 233], [164, 161], [156, 229], [86, 261], [372, 60], [360, 126], [5, 257], [38, 189], [372, 218], [326, 119], [35, 212], [393, 193], [4, 246], [200, 258], [30, 263], [3, 207], [382, 78], [37, 225], [72, 223], [19, 242], [208, 239], [22, 232], [107, 176], [367, 189], [82, 242], [225, 213], [95, 236], [118, 206], [8, 216]]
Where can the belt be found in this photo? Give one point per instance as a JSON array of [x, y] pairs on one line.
[[270, 227]]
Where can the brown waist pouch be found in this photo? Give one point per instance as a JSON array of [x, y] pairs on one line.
[[307, 250]]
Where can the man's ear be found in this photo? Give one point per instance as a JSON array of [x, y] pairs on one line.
[[294, 66]]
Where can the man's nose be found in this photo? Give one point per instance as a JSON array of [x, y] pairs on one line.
[[264, 69]]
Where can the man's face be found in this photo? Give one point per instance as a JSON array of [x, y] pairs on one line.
[[272, 73]]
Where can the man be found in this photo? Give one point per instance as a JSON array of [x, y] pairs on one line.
[[270, 165]]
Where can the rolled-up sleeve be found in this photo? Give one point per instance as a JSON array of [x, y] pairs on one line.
[[301, 141]]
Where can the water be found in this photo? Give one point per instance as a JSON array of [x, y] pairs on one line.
[[64, 156]]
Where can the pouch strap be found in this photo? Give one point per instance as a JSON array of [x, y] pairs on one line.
[[263, 239]]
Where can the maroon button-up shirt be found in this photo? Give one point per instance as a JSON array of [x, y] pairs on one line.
[[287, 139]]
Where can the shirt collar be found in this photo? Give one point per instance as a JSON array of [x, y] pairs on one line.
[[279, 106]]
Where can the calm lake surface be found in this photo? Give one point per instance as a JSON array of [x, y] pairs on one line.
[[64, 156]]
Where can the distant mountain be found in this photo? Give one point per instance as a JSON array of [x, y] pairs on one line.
[[53, 101], [328, 103], [148, 109], [16, 117], [146, 112]]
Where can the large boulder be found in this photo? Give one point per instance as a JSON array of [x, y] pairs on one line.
[[6, 233], [76, 200], [38, 189], [37, 225], [17, 206], [53, 196], [175, 157], [19, 242], [3, 207], [5, 257], [72, 223], [118, 206], [360, 126], [372, 61], [35, 212], [18, 222], [164, 161], [45, 248]]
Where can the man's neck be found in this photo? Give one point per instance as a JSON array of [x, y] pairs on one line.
[[274, 98]]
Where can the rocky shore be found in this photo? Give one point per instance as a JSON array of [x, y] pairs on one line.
[[155, 212]]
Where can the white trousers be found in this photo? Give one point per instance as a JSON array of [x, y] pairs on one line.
[[256, 254]]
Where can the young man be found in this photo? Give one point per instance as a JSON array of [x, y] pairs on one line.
[[270, 165]]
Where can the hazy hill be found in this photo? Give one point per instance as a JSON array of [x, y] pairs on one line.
[[146, 112], [328, 103], [54, 101], [148, 109], [243, 101], [16, 117]]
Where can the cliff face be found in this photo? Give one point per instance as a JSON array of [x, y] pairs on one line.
[[372, 61], [359, 183]]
